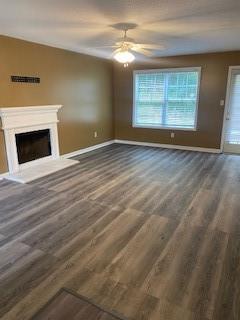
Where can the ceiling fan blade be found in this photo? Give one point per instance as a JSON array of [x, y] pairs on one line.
[[127, 39], [103, 47], [145, 52], [150, 46]]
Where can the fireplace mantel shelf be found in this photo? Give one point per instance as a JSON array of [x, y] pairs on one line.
[[17, 117], [30, 109]]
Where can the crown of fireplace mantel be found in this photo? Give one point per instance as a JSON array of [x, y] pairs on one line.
[[17, 117]]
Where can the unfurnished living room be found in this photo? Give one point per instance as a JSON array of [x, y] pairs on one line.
[[119, 160]]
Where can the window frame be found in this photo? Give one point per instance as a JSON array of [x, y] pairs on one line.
[[135, 72]]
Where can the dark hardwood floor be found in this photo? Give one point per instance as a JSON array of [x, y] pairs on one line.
[[149, 233]]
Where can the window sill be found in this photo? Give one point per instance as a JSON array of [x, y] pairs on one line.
[[164, 128]]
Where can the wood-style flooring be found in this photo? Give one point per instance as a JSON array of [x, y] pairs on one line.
[[149, 233], [68, 306]]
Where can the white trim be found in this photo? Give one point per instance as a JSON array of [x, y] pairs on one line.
[[163, 128], [227, 100], [168, 70], [169, 146], [88, 149], [194, 128]]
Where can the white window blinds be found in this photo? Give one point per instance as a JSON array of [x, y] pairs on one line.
[[166, 98], [233, 124]]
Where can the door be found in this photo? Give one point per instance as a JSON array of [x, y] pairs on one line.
[[232, 115]]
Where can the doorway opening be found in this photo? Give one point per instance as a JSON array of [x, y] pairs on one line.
[[231, 128]]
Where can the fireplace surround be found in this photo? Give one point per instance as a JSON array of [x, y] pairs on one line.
[[23, 123]]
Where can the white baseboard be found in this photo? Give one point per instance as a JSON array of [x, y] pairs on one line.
[[85, 150], [137, 143], [169, 146]]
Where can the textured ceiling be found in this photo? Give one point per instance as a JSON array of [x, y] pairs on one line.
[[180, 26]]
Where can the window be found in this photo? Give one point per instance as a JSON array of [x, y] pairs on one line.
[[166, 98]]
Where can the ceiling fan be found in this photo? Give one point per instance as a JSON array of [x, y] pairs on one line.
[[125, 47]]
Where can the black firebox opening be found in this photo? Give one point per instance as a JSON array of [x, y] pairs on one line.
[[33, 145]]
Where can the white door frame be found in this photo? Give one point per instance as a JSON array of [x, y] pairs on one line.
[[227, 100]]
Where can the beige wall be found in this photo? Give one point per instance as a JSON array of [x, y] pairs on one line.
[[210, 113], [82, 84]]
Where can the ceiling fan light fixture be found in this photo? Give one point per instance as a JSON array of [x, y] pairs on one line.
[[124, 57]]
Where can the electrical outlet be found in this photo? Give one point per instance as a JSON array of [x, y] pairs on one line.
[[222, 102], [95, 134], [172, 135]]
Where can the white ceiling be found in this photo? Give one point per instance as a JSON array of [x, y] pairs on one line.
[[181, 26]]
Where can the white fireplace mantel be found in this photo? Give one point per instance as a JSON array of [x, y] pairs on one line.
[[17, 117], [17, 120]]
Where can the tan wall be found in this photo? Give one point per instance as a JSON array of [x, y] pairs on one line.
[[82, 84], [210, 113]]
